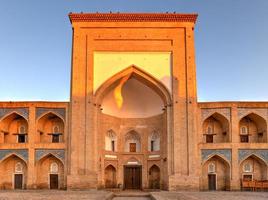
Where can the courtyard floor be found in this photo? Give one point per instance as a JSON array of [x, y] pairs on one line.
[[102, 195], [210, 195]]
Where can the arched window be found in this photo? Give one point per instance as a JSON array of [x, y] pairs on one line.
[[211, 168], [210, 129], [56, 129], [18, 167], [132, 142], [154, 141], [22, 129], [247, 167], [244, 130], [54, 168], [110, 141]]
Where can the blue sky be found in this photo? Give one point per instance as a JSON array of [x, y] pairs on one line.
[[231, 39]]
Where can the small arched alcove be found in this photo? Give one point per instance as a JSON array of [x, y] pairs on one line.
[[50, 173], [15, 176], [253, 168], [14, 128], [110, 177], [216, 129], [50, 129], [253, 129], [132, 142], [215, 174], [154, 177]]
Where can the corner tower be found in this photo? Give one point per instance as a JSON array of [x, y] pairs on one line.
[[146, 62]]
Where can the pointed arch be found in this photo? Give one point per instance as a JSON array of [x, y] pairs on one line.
[[50, 155], [11, 113], [138, 74], [219, 157], [52, 113], [256, 157], [253, 128], [216, 128], [46, 124], [154, 177], [13, 155], [110, 176]]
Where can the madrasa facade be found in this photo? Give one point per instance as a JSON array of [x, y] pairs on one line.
[[133, 120]]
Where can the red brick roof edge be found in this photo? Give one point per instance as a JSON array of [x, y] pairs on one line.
[[132, 17]]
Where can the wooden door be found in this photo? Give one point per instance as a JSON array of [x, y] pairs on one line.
[[54, 181], [132, 147], [132, 177], [18, 181], [212, 181]]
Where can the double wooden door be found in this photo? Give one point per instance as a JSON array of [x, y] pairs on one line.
[[132, 177]]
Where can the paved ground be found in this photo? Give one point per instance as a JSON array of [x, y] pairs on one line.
[[131, 198], [211, 195], [52, 195], [100, 195]]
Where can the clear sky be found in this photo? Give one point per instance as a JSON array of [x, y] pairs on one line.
[[231, 39]]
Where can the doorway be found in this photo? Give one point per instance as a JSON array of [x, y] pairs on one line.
[[212, 182], [18, 179], [132, 177], [54, 181]]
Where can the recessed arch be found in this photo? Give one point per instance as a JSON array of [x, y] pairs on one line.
[[46, 177], [255, 157], [13, 177], [52, 113], [217, 156], [11, 113], [257, 168], [154, 177], [253, 128], [13, 155], [46, 124], [50, 155], [216, 128], [11, 125], [137, 73], [218, 179]]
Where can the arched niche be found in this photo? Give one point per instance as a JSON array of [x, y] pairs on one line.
[[253, 129], [15, 173], [14, 128], [216, 129], [50, 128], [110, 177], [110, 141], [132, 142], [154, 177], [217, 178], [253, 168], [50, 173], [154, 141], [142, 95]]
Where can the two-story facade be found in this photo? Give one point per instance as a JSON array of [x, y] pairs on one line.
[[133, 120]]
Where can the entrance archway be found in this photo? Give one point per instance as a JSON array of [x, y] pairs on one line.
[[110, 177], [154, 177]]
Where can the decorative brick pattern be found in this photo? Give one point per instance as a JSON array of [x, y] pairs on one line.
[[23, 153], [206, 112], [58, 153], [22, 111], [133, 17], [244, 153], [242, 112], [60, 111], [226, 153]]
